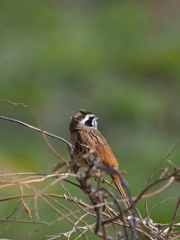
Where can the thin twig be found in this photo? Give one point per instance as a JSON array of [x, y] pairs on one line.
[[152, 173], [154, 183], [174, 216], [158, 204], [43, 178], [21, 104], [38, 130], [12, 212], [50, 146]]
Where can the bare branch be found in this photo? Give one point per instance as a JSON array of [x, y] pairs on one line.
[[174, 216], [38, 130], [20, 104]]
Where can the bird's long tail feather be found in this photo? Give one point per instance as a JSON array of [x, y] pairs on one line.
[[120, 189]]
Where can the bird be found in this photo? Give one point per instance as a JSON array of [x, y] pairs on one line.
[[85, 137]]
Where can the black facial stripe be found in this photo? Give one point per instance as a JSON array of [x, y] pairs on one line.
[[89, 123]]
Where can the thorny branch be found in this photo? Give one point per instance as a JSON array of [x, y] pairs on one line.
[[108, 218]]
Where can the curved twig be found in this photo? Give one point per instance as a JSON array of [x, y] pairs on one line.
[[70, 147]]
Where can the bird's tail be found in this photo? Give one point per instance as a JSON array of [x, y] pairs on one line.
[[120, 189]]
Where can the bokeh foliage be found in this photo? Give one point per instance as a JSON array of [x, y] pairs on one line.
[[119, 59]]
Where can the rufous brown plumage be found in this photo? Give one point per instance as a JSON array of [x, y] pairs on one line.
[[85, 136]]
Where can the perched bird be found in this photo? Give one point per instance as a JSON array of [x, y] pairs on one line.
[[85, 136]]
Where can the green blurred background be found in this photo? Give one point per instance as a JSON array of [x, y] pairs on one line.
[[118, 59]]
